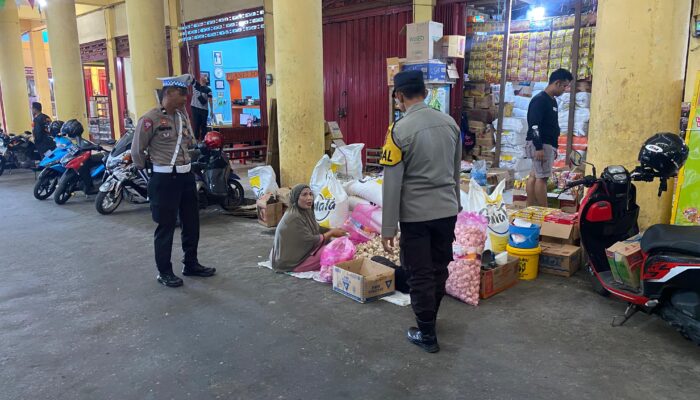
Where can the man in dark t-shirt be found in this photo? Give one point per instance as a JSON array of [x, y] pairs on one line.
[[40, 129], [543, 135], [202, 106]]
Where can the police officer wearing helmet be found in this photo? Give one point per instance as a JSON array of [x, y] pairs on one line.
[[165, 133], [421, 159]]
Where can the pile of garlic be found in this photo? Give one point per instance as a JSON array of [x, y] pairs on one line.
[[374, 248]]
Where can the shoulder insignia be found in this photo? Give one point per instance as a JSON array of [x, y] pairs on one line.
[[147, 124], [391, 153]]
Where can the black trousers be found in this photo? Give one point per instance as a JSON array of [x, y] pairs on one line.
[[170, 195], [199, 122], [426, 251]]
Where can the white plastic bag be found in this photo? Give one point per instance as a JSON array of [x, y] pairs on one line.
[[494, 209], [349, 160], [318, 176], [369, 189], [331, 204], [517, 125], [522, 102], [263, 180]]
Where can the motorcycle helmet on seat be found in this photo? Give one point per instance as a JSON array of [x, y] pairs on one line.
[[213, 140], [72, 128], [665, 153], [55, 127]]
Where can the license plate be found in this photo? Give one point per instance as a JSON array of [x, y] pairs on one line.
[[73, 150]]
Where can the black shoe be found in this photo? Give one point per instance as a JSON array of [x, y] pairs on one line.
[[424, 336], [198, 270], [169, 280]]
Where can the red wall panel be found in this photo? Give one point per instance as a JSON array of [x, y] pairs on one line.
[[355, 49]]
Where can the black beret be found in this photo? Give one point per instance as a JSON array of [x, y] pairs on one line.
[[408, 78]]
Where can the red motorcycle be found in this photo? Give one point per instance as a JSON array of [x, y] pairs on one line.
[[670, 272]]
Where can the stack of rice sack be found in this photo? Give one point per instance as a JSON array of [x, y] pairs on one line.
[[513, 140]]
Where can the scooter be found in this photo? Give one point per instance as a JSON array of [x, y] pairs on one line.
[[216, 181], [51, 168], [670, 272], [17, 152], [123, 180], [79, 161]]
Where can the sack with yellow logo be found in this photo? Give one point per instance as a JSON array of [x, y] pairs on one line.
[[331, 205], [263, 180], [494, 209]]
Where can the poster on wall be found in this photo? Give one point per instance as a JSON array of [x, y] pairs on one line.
[[686, 201], [438, 97], [219, 84], [218, 58]]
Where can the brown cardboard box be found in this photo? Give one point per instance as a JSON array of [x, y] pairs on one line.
[[477, 88], [451, 46], [333, 129], [483, 115], [625, 259], [421, 40], [283, 196], [270, 211], [483, 103], [496, 280], [363, 280], [495, 175], [559, 259], [488, 142], [393, 67], [552, 232], [477, 125], [468, 103]]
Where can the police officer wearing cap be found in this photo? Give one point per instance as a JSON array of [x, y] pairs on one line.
[[164, 135], [421, 159]]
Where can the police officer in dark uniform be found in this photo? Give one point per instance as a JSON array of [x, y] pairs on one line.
[[165, 133], [421, 159]]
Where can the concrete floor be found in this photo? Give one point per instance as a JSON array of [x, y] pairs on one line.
[[82, 317]]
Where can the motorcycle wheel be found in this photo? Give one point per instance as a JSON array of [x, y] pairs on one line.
[[596, 285], [64, 190], [45, 186], [2, 165], [235, 197], [688, 328], [107, 202]]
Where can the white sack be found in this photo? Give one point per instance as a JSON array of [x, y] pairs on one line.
[[369, 189], [494, 209], [263, 180], [349, 160], [331, 205]]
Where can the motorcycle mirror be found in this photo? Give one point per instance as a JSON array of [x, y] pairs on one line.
[[576, 158]]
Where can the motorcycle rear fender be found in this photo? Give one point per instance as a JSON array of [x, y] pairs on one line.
[[234, 176]]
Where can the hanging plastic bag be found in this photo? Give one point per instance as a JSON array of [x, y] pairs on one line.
[[331, 204], [478, 173], [318, 176], [464, 280], [337, 251], [263, 180], [494, 209], [349, 160]]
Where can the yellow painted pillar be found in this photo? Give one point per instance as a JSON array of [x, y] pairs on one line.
[[423, 10], [110, 27], [637, 86], [270, 51], [174, 23], [41, 73], [66, 65], [12, 79], [149, 57], [299, 67]]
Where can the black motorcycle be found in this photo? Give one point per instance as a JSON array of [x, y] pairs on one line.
[[216, 181], [17, 152]]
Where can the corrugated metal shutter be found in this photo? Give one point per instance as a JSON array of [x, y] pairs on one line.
[[355, 49]]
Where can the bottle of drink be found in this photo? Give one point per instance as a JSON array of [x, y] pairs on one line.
[[535, 132]]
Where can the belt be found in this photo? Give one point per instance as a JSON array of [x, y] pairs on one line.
[[170, 169]]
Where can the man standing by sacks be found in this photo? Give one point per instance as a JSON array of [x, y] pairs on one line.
[[421, 160]]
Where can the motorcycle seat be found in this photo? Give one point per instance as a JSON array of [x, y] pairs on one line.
[[676, 238]]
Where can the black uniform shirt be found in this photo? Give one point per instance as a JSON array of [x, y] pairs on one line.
[[543, 112]]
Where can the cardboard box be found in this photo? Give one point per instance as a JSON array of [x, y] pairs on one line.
[[363, 280], [422, 39], [486, 142], [483, 115], [433, 70], [468, 103], [559, 259], [452, 46], [625, 259], [284, 195], [496, 280], [485, 102], [477, 89], [270, 211], [553, 232], [393, 67], [333, 130]]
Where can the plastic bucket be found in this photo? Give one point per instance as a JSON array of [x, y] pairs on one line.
[[529, 261], [524, 237]]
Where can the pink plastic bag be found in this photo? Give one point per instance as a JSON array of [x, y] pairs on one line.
[[337, 251], [361, 227], [464, 280]]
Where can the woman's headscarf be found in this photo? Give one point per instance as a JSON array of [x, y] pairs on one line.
[[297, 235]]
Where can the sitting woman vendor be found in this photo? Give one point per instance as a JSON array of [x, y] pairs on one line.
[[299, 239]]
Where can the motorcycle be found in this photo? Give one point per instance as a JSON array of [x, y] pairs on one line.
[[670, 272], [123, 180], [17, 152], [80, 161], [51, 168], [216, 181]]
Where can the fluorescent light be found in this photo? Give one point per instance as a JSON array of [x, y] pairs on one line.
[[42, 3], [537, 13]]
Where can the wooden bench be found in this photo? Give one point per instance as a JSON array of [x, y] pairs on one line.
[[243, 152]]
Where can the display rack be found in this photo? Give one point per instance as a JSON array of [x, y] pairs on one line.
[[100, 127]]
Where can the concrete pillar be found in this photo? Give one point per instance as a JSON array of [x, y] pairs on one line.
[[637, 86], [299, 68], [66, 65], [12, 78], [423, 10], [110, 28], [175, 19], [270, 51], [41, 73], [149, 57]]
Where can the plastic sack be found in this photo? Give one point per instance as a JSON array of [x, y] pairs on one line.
[[325, 274], [354, 201], [263, 180], [318, 176], [369, 189], [522, 102], [464, 278], [337, 251], [517, 125], [361, 226], [478, 173], [494, 209], [349, 160], [331, 205]]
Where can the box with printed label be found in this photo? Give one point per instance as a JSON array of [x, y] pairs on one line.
[[559, 259], [363, 280], [433, 70], [494, 281], [452, 46], [625, 259], [421, 40]]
